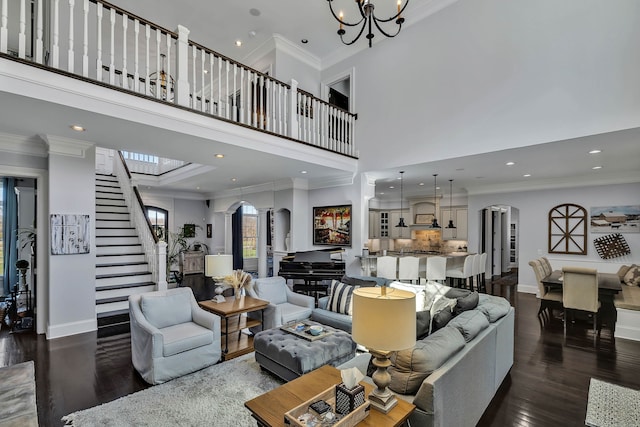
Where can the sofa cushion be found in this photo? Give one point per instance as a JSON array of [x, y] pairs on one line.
[[493, 308], [358, 282], [340, 298], [272, 289], [632, 277], [167, 309], [470, 323], [410, 367], [184, 337], [292, 313], [441, 319]]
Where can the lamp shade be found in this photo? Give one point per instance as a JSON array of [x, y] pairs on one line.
[[218, 265], [384, 318]]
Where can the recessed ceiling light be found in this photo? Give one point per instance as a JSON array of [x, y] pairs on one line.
[[437, 188], [238, 43], [234, 179], [596, 167], [197, 188], [391, 186], [526, 175], [252, 33], [254, 12], [219, 156], [422, 183], [204, 70], [304, 41], [303, 171], [382, 193], [596, 151], [510, 163], [77, 128]]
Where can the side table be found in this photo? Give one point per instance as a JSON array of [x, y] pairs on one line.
[[232, 321]]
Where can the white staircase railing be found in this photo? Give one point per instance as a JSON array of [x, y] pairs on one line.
[[103, 43], [155, 251]]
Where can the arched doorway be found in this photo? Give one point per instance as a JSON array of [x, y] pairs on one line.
[[499, 238]]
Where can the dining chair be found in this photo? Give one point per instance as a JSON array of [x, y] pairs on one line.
[[546, 265], [548, 298], [436, 269], [580, 292], [387, 267], [464, 274], [483, 270], [477, 260], [409, 269]]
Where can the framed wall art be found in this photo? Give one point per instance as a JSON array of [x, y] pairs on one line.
[[615, 219], [70, 234], [332, 225], [568, 230]]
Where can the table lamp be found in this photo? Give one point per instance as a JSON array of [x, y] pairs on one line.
[[384, 320], [217, 267]]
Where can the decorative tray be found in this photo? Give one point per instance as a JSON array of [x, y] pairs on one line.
[[303, 332], [291, 417]]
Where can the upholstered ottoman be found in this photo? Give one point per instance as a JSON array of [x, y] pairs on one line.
[[289, 356]]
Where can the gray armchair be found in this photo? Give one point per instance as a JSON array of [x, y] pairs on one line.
[[171, 335], [284, 305]]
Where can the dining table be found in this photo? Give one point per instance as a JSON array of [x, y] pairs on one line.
[[608, 286]]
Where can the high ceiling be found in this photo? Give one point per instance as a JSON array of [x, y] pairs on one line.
[[219, 24]]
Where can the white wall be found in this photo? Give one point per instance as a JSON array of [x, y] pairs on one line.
[[289, 67], [72, 298], [534, 207], [485, 75]]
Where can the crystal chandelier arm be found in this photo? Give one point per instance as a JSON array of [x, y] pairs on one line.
[[348, 24]]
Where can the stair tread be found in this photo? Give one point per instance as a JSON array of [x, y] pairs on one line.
[[122, 264], [133, 253], [123, 286], [115, 228], [112, 313], [124, 244], [112, 299], [134, 273]]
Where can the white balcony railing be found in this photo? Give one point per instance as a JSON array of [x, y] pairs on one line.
[[103, 43]]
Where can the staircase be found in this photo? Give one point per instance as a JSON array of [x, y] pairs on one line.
[[121, 269]]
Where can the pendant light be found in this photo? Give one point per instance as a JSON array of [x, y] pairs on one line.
[[434, 223], [401, 222], [450, 225]]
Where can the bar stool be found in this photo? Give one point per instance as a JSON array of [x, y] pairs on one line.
[[387, 267], [408, 269], [436, 268], [465, 273]]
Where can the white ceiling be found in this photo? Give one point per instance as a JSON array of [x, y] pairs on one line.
[[218, 24]]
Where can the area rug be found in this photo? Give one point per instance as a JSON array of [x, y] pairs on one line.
[[611, 405], [18, 396], [214, 396]]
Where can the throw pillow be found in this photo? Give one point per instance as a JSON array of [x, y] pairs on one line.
[[416, 289], [441, 312], [493, 307], [470, 324], [632, 278], [622, 271], [410, 367], [466, 303], [423, 321], [340, 298], [441, 319]]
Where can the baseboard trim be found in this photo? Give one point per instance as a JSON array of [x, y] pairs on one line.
[[527, 289], [627, 324], [73, 328]]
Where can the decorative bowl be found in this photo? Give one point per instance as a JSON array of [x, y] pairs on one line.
[[300, 327], [315, 330]]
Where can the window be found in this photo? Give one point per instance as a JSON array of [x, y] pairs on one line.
[[159, 219], [249, 231], [139, 157]]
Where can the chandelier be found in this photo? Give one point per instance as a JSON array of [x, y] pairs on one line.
[[367, 20]]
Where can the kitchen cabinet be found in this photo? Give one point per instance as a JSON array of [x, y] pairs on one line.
[[459, 216], [374, 224]]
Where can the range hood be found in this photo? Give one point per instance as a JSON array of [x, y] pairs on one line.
[[424, 227]]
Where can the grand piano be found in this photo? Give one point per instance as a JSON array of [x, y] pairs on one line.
[[312, 267]]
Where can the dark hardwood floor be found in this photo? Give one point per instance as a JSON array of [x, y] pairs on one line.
[[547, 386]]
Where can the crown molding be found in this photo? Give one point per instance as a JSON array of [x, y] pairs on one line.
[[66, 146], [412, 16], [287, 46], [24, 145], [336, 181]]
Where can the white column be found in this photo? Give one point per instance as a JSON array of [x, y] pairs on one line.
[[162, 266], [293, 110], [182, 67], [262, 243]]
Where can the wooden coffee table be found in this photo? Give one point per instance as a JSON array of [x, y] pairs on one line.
[[232, 321], [268, 409]]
